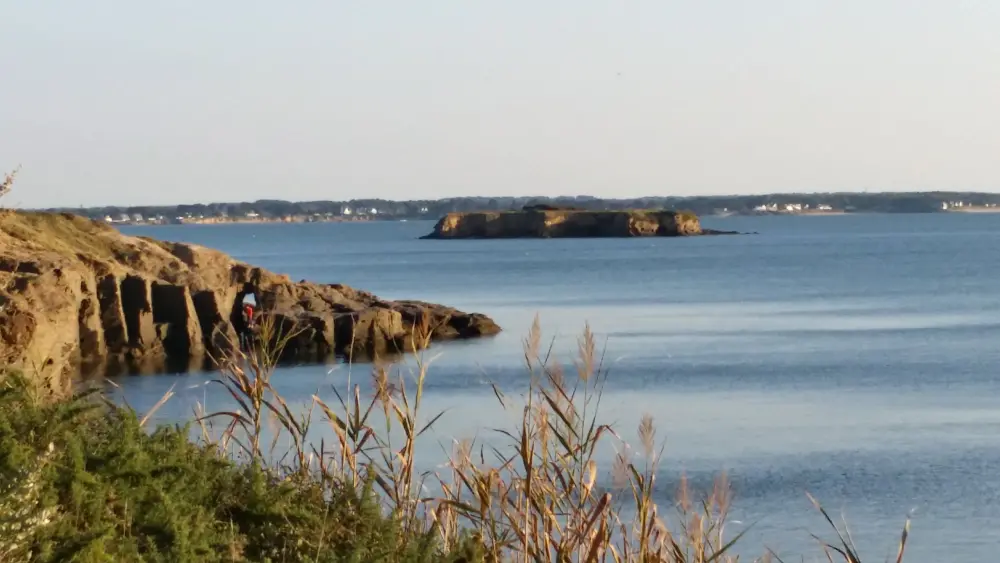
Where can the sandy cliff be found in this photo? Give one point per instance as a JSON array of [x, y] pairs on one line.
[[566, 223], [77, 295]]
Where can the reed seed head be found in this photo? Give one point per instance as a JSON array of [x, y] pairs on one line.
[[647, 434]]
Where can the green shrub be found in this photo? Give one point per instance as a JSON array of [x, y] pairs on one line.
[[109, 490]]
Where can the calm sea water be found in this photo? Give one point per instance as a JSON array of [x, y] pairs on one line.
[[852, 357]]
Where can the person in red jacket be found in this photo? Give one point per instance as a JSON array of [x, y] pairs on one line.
[[248, 310], [249, 320]]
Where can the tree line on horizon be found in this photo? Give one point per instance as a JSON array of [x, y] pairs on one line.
[[904, 202]]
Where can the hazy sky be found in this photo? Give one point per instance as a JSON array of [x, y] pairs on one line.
[[182, 101]]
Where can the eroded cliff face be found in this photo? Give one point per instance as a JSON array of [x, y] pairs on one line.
[[566, 223], [78, 296]]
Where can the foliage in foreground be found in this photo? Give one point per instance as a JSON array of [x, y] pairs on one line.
[[84, 480]]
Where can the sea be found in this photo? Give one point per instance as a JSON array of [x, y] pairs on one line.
[[854, 358]]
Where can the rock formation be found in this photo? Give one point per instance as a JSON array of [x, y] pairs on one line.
[[544, 223], [77, 296]]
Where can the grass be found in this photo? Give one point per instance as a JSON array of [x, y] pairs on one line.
[[68, 234], [84, 479], [71, 235]]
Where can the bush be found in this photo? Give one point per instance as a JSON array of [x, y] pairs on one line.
[[84, 481]]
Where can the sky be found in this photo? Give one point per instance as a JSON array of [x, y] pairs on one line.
[[143, 103]]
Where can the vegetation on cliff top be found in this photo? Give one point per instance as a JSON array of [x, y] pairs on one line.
[[682, 213], [65, 233]]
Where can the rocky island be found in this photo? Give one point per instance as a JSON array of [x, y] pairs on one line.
[[552, 222], [78, 296]]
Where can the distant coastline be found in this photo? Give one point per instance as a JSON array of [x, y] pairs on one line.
[[992, 209], [803, 213], [363, 210], [240, 220], [368, 219]]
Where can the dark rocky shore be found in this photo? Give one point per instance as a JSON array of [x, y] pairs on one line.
[[77, 296]]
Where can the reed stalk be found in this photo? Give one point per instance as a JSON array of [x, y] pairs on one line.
[[535, 497]]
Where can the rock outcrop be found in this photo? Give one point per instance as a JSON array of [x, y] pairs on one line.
[[544, 223], [77, 296]]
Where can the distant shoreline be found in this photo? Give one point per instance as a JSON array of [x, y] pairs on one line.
[[370, 219], [973, 210], [822, 213], [784, 213], [215, 221], [374, 209], [281, 220]]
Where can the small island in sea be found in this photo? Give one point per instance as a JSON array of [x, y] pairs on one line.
[[544, 221]]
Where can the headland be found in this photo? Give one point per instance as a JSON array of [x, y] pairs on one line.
[[78, 296]]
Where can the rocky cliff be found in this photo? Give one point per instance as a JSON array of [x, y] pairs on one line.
[[79, 296], [566, 223]]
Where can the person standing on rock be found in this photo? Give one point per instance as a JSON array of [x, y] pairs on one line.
[[249, 308]]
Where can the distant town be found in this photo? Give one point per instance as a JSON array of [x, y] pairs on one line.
[[346, 213], [793, 208], [279, 211]]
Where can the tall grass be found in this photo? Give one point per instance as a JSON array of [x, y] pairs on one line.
[[534, 496]]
